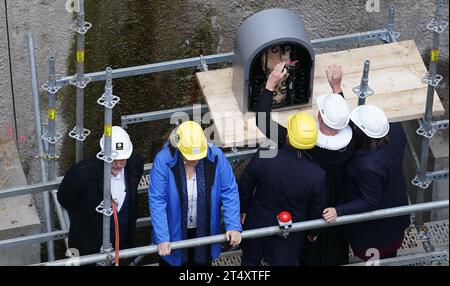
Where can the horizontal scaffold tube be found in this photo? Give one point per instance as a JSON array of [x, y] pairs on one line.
[[255, 233]]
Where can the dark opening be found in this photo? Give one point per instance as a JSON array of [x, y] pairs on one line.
[[295, 89]]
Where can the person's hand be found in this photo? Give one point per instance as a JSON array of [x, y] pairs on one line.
[[164, 248], [278, 73], [329, 214], [243, 216], [234, 237], [312, 238], [334, 75]]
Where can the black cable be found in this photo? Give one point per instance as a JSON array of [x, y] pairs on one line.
[[10, 70]]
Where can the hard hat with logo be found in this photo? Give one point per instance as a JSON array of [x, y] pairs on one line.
[[334, 110], [302, 131], [120, 143], [191, 140], [371, 120]]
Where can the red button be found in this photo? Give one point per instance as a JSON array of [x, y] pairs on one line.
[[284, 216]]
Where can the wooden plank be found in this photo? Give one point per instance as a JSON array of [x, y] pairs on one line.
[[395, 75]]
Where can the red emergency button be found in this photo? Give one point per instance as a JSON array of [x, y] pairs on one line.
[[284, 217]]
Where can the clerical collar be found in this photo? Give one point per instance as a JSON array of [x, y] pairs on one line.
[[336, 142]]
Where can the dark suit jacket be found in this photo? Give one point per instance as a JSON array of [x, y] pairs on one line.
[[374, 180], [288, 182], [81, 191]]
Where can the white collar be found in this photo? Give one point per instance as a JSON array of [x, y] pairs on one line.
[[120, 175], [336, 142]]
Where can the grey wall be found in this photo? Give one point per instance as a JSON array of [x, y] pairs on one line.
[[49, 22], [6, 110]]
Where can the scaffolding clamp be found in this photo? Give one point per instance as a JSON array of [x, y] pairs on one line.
[[108, 104], [51, 140], [203, 66], [52, 89], [430, 132], [434, 82], [429, 178], [235, 151], [101, 156], [79, 137], [437, 27], [101, 209], [109, 256], [81, 30], [80, 84]]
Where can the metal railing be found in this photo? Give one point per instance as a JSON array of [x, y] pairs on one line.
[[254, 233]]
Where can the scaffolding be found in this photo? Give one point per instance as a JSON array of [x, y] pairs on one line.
[[48, 157]]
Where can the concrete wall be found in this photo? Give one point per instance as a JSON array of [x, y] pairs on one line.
[[49, 22], [6, 101], [18, 215]]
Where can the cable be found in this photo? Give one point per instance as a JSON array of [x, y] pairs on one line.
[[116, 234]]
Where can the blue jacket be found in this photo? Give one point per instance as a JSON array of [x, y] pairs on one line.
[[165, 195], [374, 180]]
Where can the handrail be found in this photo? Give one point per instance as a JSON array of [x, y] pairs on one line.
[[254, 233]]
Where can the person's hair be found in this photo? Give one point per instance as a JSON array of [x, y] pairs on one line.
[[365, 142]]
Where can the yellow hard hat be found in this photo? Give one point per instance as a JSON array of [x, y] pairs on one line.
[[191, 141], [302, 131]]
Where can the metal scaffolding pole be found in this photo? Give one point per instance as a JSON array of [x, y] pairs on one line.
[[108, 100], [256, 233], [51, 137], [363, 90], [37, 119], [427, 129], [79, 133]]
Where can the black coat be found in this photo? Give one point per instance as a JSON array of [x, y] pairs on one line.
[[288, 182], [330, 248], [81, 191], [374, 180]]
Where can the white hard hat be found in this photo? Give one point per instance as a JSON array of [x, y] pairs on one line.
[[371, 120], [334, 110], [120, 143]]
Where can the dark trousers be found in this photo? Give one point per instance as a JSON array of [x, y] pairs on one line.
[[191, 233]]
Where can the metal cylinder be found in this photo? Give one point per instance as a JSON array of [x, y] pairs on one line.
[[107, 166], [262, 232], [364, 83], [80, 78], [37, 119], [427, 120]]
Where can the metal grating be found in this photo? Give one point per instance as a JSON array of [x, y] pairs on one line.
[[232, 258], [438, 232], [143, 183]]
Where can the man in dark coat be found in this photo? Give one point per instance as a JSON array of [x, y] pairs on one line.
[[81, 191], [287, 182]]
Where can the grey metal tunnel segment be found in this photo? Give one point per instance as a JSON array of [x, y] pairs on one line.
[[255, 233]]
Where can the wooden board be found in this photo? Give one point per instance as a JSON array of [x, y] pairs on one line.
[[396, 73]]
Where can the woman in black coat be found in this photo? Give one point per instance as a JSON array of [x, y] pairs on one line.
[[332, 152], [374, 180]]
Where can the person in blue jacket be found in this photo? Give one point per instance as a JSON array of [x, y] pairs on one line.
[[374, 180], [189, 183]]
